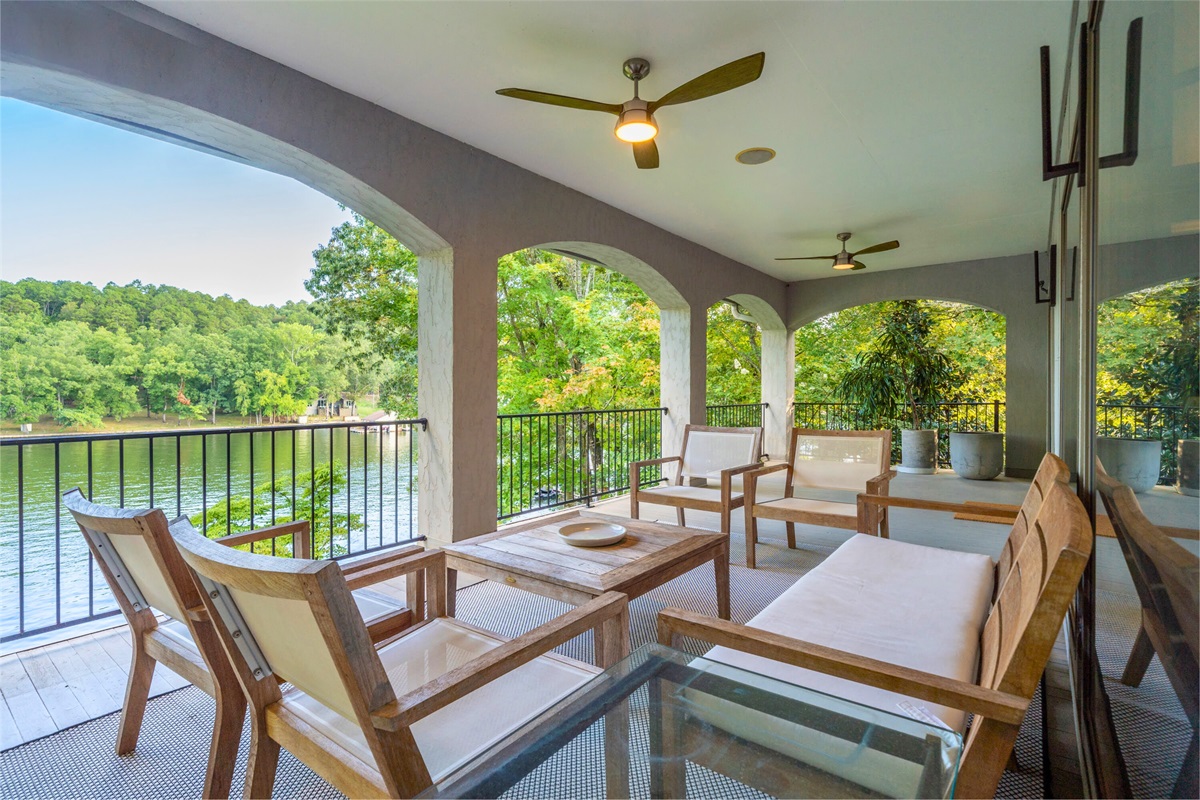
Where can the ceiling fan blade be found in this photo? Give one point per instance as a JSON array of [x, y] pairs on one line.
[[808, 258], [646, 154], [858, 265], [877, 248], [561, 100], [722, 79]]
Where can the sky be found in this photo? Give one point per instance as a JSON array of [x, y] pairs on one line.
[[84, 201]]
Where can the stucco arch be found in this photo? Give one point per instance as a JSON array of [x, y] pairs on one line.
[[191, 127], [650, 280], [763, 312]]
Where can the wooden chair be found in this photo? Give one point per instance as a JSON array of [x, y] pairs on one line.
[[386, 720], [1167, 578], [822, 460], [1033, 594], [708, 454], [137, 555]]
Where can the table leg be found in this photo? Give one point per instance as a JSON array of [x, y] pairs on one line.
[[721, 573], [616, 752], [451, 591]]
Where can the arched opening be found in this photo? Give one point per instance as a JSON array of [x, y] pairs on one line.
[[1148, 373], [733, 375], [578, 379], [969, 396]]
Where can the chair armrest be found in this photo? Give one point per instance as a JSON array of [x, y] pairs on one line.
[[353, 567], [912, 502], [635, 469], [879, 484], [404, 563], [299, 531], [459, 682], [750, 481], [1000, 706]]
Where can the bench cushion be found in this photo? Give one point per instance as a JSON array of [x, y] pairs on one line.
[[915, 606]]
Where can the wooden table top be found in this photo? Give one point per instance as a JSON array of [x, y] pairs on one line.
[[535, 550]]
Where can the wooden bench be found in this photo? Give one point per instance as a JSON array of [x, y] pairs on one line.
[[843, 462], [920, 630]]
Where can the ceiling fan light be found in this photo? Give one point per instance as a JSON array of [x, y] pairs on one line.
[[843, 261], [636, 123]]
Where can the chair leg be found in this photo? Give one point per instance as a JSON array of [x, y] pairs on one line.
[[227, 735], [634, 505], [679, 514], [263, 760], [883, 524], [137, 692], [1139, 659], [791, 534], [724, 520], [751, 537]]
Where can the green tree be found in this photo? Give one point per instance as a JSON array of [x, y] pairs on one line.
[[314, 491], [902, 368]]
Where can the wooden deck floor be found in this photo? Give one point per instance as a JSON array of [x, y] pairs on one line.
[[52, 687]]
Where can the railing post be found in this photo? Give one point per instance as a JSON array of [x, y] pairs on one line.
[[995, 416]]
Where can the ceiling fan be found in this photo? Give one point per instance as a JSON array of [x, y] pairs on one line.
[[635, 118], [844, 260]]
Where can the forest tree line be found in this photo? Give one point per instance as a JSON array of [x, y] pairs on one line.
[[570, 336]]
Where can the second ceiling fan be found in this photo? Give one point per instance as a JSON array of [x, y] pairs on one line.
[[635, 117], [846, 260]]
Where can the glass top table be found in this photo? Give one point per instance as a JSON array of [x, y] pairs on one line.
[[663, 724]]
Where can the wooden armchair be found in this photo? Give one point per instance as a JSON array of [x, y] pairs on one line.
[[1167, 578], [1015, 641], [137, 555], [708, 454], [845, 461], [385, 720]]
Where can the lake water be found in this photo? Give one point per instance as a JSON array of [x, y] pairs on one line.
[[47, 570]]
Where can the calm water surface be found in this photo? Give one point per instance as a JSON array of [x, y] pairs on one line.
[[44, 562]]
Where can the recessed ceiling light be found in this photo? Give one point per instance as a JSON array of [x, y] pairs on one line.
[[755, 155]]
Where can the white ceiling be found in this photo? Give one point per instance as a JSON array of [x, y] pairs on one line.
[[916, 121]]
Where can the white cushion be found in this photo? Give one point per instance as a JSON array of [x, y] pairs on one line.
[[452, 735], [689, 492], [919, 607], [801, 504]]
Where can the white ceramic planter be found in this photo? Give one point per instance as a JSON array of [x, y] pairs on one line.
[[918, 452], [1133, 462], [1188, 453], [977, 456]]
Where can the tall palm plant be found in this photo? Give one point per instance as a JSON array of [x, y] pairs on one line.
[[902, 367]]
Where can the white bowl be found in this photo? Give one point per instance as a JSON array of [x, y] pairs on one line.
[[591, 534]]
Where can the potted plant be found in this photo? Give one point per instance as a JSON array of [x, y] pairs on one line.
[[901, 373]]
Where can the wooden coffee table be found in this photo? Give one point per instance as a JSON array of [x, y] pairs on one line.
[[533, 557]]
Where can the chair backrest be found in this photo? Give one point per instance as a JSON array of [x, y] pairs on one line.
[[1052, 469], [137, 556], [1165, 574], [1035, 593], [291, 618], [837, 459], [708, 450]]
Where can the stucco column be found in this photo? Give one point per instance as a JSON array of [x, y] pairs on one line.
[[1027, 385], [682, 355], [778, 389], [456, 372]]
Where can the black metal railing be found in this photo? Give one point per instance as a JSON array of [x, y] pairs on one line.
[[736, 415], [1168, 424], [948, 418], [353, 481], [548, 461]]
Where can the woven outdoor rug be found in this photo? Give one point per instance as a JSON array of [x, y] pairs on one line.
[[172, 750]]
